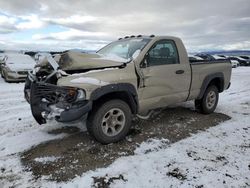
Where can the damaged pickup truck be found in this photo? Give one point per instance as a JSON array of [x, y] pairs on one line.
[[129, 77]]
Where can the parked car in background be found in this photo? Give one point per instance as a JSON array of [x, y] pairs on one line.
[[242, 61], [15, 67], [193, 58], [225, 56], [1, 60], [217, 57], [234, 63], [1, 57], [206, 57], [247, 58], [40, 56]]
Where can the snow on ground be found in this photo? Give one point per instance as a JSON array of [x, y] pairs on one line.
[[218, 157], [19, 131], [46, 159]]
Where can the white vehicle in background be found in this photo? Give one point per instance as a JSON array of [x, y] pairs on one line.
[[1, 57], [15, 67], [242, 61], [234, 62], [40, 56], [217, 57], [1, 61]]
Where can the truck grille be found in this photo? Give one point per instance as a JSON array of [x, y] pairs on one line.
[[50, 92], [45, 91]]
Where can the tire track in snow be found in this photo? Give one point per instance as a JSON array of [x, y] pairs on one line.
[[11, 100], [14, 116], [15, 107]]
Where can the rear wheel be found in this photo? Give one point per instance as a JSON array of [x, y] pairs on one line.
[[208, 103], [110, 122]]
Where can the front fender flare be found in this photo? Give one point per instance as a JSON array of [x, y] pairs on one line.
[[128, 88]]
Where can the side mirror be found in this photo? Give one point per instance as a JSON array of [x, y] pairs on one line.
[[145, 61]]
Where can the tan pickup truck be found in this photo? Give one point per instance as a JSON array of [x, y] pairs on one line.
[[129, 77]]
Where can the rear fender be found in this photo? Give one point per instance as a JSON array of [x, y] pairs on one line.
[[208, 79]]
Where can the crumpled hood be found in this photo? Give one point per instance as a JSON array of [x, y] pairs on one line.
[[78, 61], [97, 78]]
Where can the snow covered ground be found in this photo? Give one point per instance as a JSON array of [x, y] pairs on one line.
[[218, 157]]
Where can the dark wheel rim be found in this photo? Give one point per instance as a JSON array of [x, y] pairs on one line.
[[211, 99], [113, 122]]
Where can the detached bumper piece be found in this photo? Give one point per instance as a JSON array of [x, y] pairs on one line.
[[27, 88], [75, 113], [49, 101]]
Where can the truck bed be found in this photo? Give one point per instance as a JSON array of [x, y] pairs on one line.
[[201, 69]]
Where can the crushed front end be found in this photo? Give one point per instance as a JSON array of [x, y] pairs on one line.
[[49, 101], [64, 104]]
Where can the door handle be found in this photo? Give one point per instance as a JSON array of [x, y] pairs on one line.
[[179, 71]]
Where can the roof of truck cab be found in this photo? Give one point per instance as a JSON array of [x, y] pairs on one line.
[[154, 37], [166, 37]]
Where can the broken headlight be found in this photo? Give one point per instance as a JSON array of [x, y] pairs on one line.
[[75, 94], [81, 95]]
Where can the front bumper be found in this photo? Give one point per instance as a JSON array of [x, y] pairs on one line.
[[40, 95], [15, 76], [74, 113]]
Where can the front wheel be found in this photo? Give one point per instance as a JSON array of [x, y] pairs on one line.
[[209, 101], [110, 122], [2, 73]]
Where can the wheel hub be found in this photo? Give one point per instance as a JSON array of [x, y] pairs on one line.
[[113, 122], [211, 99]]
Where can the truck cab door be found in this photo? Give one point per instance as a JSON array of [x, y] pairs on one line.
[[166, 79]]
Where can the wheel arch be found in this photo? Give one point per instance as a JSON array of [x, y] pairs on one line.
[[216, 79], [122, 91]]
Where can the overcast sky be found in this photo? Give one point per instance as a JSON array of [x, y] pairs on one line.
[[90, 24]]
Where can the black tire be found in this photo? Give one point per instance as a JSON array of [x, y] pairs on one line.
[[2, 74], [204, 105], [104, 118], [5, 77]]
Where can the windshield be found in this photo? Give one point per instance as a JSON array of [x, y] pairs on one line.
[[124, 48]]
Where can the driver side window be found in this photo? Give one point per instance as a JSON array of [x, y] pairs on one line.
[[163, 52]]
